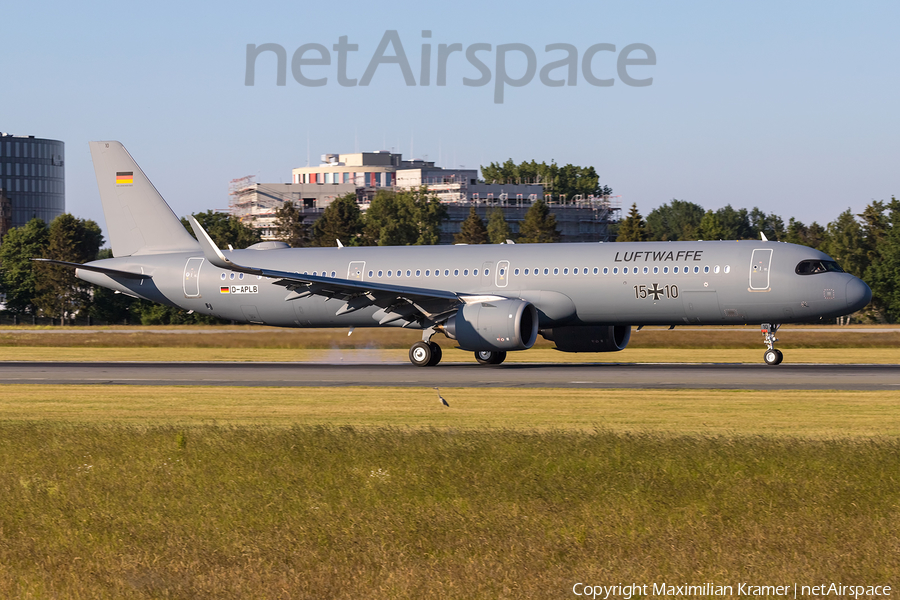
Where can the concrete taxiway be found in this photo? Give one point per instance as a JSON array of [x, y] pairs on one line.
[[607, 375]]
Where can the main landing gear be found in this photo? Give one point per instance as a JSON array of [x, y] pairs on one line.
[[425, 354], [487, 357], [772, 356]]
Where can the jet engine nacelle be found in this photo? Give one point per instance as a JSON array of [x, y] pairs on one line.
[[606, 338], [495, 326]]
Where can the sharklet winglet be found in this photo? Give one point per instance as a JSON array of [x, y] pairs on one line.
[[215, 256]]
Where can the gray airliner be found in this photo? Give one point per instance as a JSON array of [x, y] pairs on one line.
[[489, 299]]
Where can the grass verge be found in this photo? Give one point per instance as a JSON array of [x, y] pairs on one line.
[[803, 414], [118, 511]]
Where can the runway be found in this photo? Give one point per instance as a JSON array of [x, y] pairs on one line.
[[605, 375]]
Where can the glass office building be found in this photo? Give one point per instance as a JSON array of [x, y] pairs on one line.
[[33, 177]]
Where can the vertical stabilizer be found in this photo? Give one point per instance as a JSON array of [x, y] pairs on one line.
[[138, 220]]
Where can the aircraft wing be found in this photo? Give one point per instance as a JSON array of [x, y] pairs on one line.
[[396, 302]]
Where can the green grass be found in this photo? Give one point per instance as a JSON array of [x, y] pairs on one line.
[[118, 511], [810, 414]]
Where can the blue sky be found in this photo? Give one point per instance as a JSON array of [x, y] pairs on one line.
[[789, 107]]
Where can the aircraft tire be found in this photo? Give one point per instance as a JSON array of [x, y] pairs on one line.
[[488, 357], [436, 354], [780, 356], [773, 357], [420, 354]]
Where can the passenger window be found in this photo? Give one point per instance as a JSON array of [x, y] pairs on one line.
[[502, 272], [675, 270], [556, 270], [315, 273], [665, 270], [546, 271], [706, 269], [566, 271], [241, 276], [646, 270], [232, 275], [606, 270], [516, 272], [370, 274], [223, 276], [696, 269], [408, 273], [427, 272], [727, 269], [655, 270], [456, 272], [595, 270], [446, 272], [625, 270], [418, 273], [716, 269], [333, 274], [381, 273], [526, 271], [475, 272], [615, 270], [389, 273], [487, 272], [466, 272]]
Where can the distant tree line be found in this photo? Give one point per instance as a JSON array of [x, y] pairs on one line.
[[866, 244]]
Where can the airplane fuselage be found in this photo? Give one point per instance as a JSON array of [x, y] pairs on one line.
[[626, 283]]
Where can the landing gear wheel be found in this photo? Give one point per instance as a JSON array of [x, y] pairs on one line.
[[487, 357], [420, 354], [773, 356], [436, 353]]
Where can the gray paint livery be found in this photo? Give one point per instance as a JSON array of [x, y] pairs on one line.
[[491, 299]]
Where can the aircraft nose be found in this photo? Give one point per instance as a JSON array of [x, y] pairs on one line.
[[858, 294]]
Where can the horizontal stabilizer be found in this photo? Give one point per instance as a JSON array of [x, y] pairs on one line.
[[104, 270]]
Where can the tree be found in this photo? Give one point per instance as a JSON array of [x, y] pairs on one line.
[[225, 230], [678, 220], [472, 230], [539, 225], [403, 219], [711, 227], [341, 220], [883, 272], [844, 243], [632, 228], [290, 226], [17, 270], [498, 229], [568, 181], [735, 223], [59, 293]]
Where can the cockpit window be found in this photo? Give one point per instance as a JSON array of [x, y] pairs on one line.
[[814, 267]]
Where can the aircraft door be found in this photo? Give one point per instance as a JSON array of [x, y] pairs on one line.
[[487, 278], [192, 277], [502, 277], [355, 270], [760, 263]]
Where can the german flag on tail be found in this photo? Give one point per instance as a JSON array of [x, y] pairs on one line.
[[124, 177]]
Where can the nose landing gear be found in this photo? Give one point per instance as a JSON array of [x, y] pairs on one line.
[[772, 356]]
